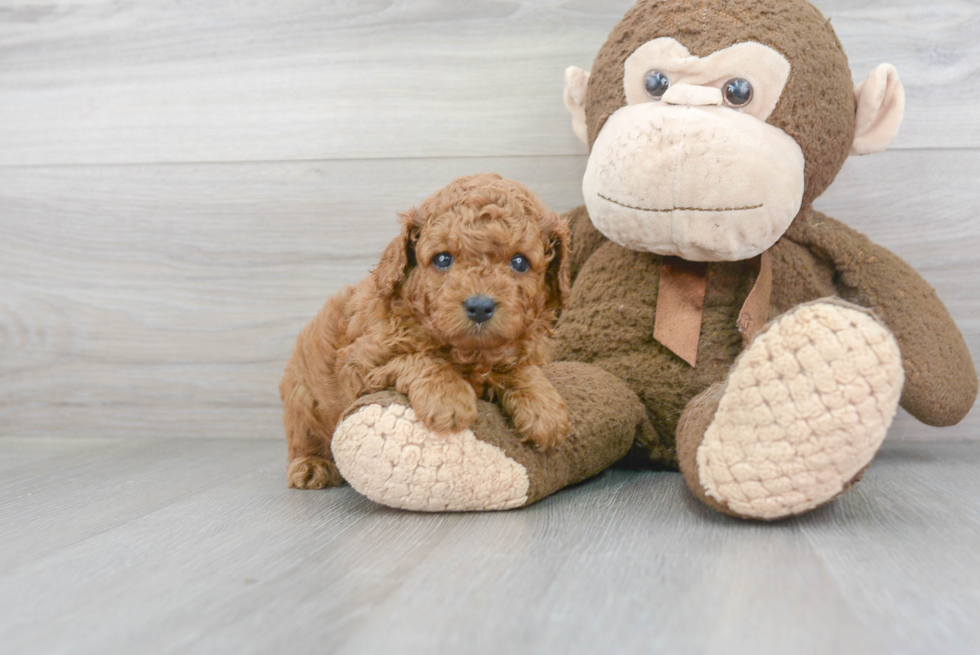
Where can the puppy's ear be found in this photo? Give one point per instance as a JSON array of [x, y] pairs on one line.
[[559, 249], [399, 256]]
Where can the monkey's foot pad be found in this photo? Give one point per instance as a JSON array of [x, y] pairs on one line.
[[804, 410], [387, 455]]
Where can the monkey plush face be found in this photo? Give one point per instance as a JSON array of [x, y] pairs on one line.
[[689, 167], [712, 123]]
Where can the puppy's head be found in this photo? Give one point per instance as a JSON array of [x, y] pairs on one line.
[[480, 262]]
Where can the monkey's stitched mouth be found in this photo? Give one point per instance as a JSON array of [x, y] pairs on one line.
[[680, 209]]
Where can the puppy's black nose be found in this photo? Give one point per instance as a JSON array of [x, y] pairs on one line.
[[479, 308]]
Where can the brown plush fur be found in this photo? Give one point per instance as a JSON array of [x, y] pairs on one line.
[[405, 326]]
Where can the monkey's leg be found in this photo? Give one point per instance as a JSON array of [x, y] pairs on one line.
[[386, 453], [802, 413]]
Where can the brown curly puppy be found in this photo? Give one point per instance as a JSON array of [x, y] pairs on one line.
[[460, 307]]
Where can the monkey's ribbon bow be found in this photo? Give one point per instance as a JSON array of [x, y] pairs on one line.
[[680, 305]]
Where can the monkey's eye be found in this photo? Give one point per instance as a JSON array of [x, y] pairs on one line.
[[656, 84], [520, 263], [442, 261], [738, 92]]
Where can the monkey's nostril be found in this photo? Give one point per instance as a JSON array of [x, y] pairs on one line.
[[479, 309]]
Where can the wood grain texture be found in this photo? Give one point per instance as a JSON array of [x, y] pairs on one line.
[[196, 546], [126, 81]]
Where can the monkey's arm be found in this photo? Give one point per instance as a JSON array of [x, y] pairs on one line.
[[940, 378], [585, 239]]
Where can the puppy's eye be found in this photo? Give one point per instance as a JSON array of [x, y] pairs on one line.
[[520, 263], [442, 261]]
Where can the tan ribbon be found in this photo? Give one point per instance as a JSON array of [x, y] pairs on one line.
[[755, 309], [680, 305]]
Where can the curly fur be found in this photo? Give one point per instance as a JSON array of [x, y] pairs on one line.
[[404, 326]]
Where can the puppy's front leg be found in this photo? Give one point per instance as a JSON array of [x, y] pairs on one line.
[[441, 398], [535, 408]]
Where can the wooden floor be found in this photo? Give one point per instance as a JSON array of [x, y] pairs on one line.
[[196, 546]]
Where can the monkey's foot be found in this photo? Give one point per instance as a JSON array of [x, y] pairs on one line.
[[804, 410], [388, 455]]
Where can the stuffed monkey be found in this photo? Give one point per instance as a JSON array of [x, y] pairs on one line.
[[717, 324]]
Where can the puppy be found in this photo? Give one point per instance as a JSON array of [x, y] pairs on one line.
[[460, 307]]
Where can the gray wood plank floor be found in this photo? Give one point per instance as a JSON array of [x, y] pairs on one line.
[[196, 546]]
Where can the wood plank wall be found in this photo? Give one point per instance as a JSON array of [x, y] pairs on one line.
[[183, 183]]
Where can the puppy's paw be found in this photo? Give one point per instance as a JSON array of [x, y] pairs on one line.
[[444, 408], [540, 415], [545, 431], [313, 473]]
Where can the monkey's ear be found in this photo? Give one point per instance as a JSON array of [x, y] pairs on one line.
[[576, 87], [558, 276], [880, 108], [399, 256]]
